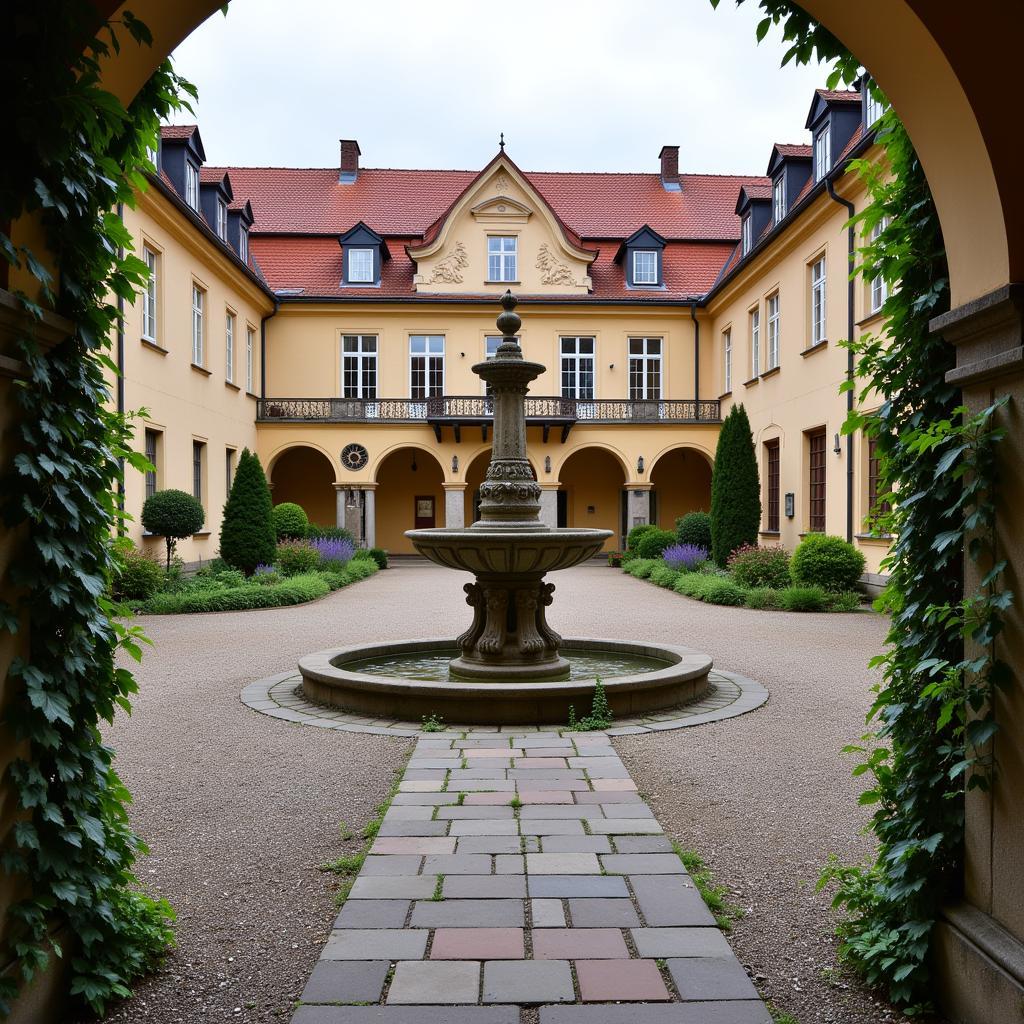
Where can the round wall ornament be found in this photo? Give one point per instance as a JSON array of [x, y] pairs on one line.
[[354, 456]]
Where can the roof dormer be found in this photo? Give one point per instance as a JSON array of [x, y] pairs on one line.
[[754, 207], [363, 254], [642, 259], [832, 120], [181, 157], [789, 168], [240, 220], [215, 196]]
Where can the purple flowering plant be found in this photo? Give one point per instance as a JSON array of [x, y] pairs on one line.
[[684, 557], [333, 550]]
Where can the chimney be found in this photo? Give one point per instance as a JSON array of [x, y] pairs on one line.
[[669, 156], [349, 161]]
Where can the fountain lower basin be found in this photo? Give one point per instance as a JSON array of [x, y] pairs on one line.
[[336, 678]]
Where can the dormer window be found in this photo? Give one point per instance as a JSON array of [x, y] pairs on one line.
[[192, 185], [874, 108], [822, 152], [779, 198], [222, 219], [243, 245], [645, 266], [747, 235], [501, 258], [360, 266]]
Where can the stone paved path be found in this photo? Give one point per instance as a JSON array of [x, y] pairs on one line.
[[524, 870]]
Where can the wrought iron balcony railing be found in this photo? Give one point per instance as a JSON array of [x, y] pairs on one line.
[[470, 409]]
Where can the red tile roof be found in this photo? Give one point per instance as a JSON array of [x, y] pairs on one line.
[[791, 149], [177, 131], [839, 95]]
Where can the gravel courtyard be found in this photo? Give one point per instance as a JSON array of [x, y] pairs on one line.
[[240, 809]]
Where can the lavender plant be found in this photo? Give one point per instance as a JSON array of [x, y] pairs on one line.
[[684, 557]]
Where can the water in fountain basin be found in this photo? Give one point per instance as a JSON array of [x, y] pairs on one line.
[[432, 666]]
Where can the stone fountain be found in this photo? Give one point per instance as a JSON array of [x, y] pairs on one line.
[[509, 666]]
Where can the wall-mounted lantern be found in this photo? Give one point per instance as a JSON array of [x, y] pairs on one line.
[[837, 448], [455, 463], [790, 504], [640, 465], [547, 463]]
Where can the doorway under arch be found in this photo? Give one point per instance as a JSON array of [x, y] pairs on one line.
[[305, 476], [681, 483], [592, 493], [410, 495]]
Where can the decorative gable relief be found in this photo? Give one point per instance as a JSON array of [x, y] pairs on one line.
[[448, 269], [554, 271]]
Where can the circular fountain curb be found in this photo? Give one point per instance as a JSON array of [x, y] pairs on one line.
[[280, 696]]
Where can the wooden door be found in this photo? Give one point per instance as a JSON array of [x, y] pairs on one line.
[[423, 512]]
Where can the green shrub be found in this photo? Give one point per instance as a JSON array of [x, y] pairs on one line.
[[296, 590], [317, 532], [360, 568], [641, 568], [654, 541], [711, 589], [295, 557], [137, 576], [847, 601], [627, 557], [764, 597], [804, 599], [663, 575], [172, 514], [634, 535], [694, 528], [380, 556], [290, 521], [827, 562], [247, 531], [615, 559], [735, 488], [752, 566]]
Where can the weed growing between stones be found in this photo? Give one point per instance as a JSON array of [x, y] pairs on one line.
[[432, 723], [600, 716], [713, 895]]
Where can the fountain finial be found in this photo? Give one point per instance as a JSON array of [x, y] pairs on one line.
[[509, 321]]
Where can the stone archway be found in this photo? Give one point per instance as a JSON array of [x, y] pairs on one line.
[[407, 479], [681, 483], [591, 490], [305, 476]]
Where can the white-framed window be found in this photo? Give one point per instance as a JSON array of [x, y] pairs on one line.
[[426, 366], [192, 185], [645, 266], [774, 326], [491, 344], [250, 359], [747, 235], [879, 286], [229, 347], [149, 294], [222, 219], [822, 152], [727, 350], [874, 108], [779, 198], [152, 443], [755, 342], [644, 369], [359, 366], [577, 367], [243, 244], [360, 266], [153, 156], [818, 300], [229, 470], [501, 257], [198, 302], [198, 471]]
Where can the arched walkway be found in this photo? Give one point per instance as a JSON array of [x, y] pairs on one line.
[[305, 475], [410, 494], [591, 489], [681, 481]]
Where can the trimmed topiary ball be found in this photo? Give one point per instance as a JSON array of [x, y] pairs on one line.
[[635, 535], [290, 521], [831, 563], [695, 528], [654, 541], [247, 531], [172, 514]]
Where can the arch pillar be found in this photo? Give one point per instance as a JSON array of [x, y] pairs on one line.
[[454, 506], [356, 512], [638, 505], [549, 505]]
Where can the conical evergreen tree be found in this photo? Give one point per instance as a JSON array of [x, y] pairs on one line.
[[735, 488], [247, 536]]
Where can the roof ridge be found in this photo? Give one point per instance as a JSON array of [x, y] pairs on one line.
[[465, 170]]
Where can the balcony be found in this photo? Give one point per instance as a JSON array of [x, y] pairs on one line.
[[458, 411]]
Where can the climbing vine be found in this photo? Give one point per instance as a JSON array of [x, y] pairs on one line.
[[76, 155], [930, 726]]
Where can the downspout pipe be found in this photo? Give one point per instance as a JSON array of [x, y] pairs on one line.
[[120, 384], [850, 249], [263, 348], [696, 359]]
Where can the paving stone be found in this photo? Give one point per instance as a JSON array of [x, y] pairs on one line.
[[552, 827], [605, 980], [547, 913], [420, 787], [624, 826], [526, 982], [465, 813], [412, 828], [576, 844], [549, 751], [424, 774], [625, 811], [424, 799], [642, 864], [399, 887], [605, 797], [487, 799], [418, 763], [595, 760], [709, 978], [562, 864], [670, 900], [546, 774], [485, 827], [642, 844], [680, 942], [478, 944], [375, 944], [487, 786], [489, 752], [409, 813], [485, 887], [458, 864], [509, 864], [603, 914], [550, 741], [582, 886], [435, 981], [541, 762], [551, 785], [552, 796], [413, 844], [399, 864], [468, 914], [406, 1015], [565, 812], [346, 981], [372, 914], [458, 777], [579, 944], [489, 844], [752, 1012], [615, 785]]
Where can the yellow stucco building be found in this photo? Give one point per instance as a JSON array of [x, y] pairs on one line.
[[330, 319]]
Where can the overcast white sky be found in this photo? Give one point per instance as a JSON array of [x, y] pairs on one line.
[[595, 85]]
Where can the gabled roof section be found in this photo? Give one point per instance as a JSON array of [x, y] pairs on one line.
[[825, 98], [435, 235], [645, 237], [360, 234], [751, 194], [783, 151], [187, 133], [219, 177]]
